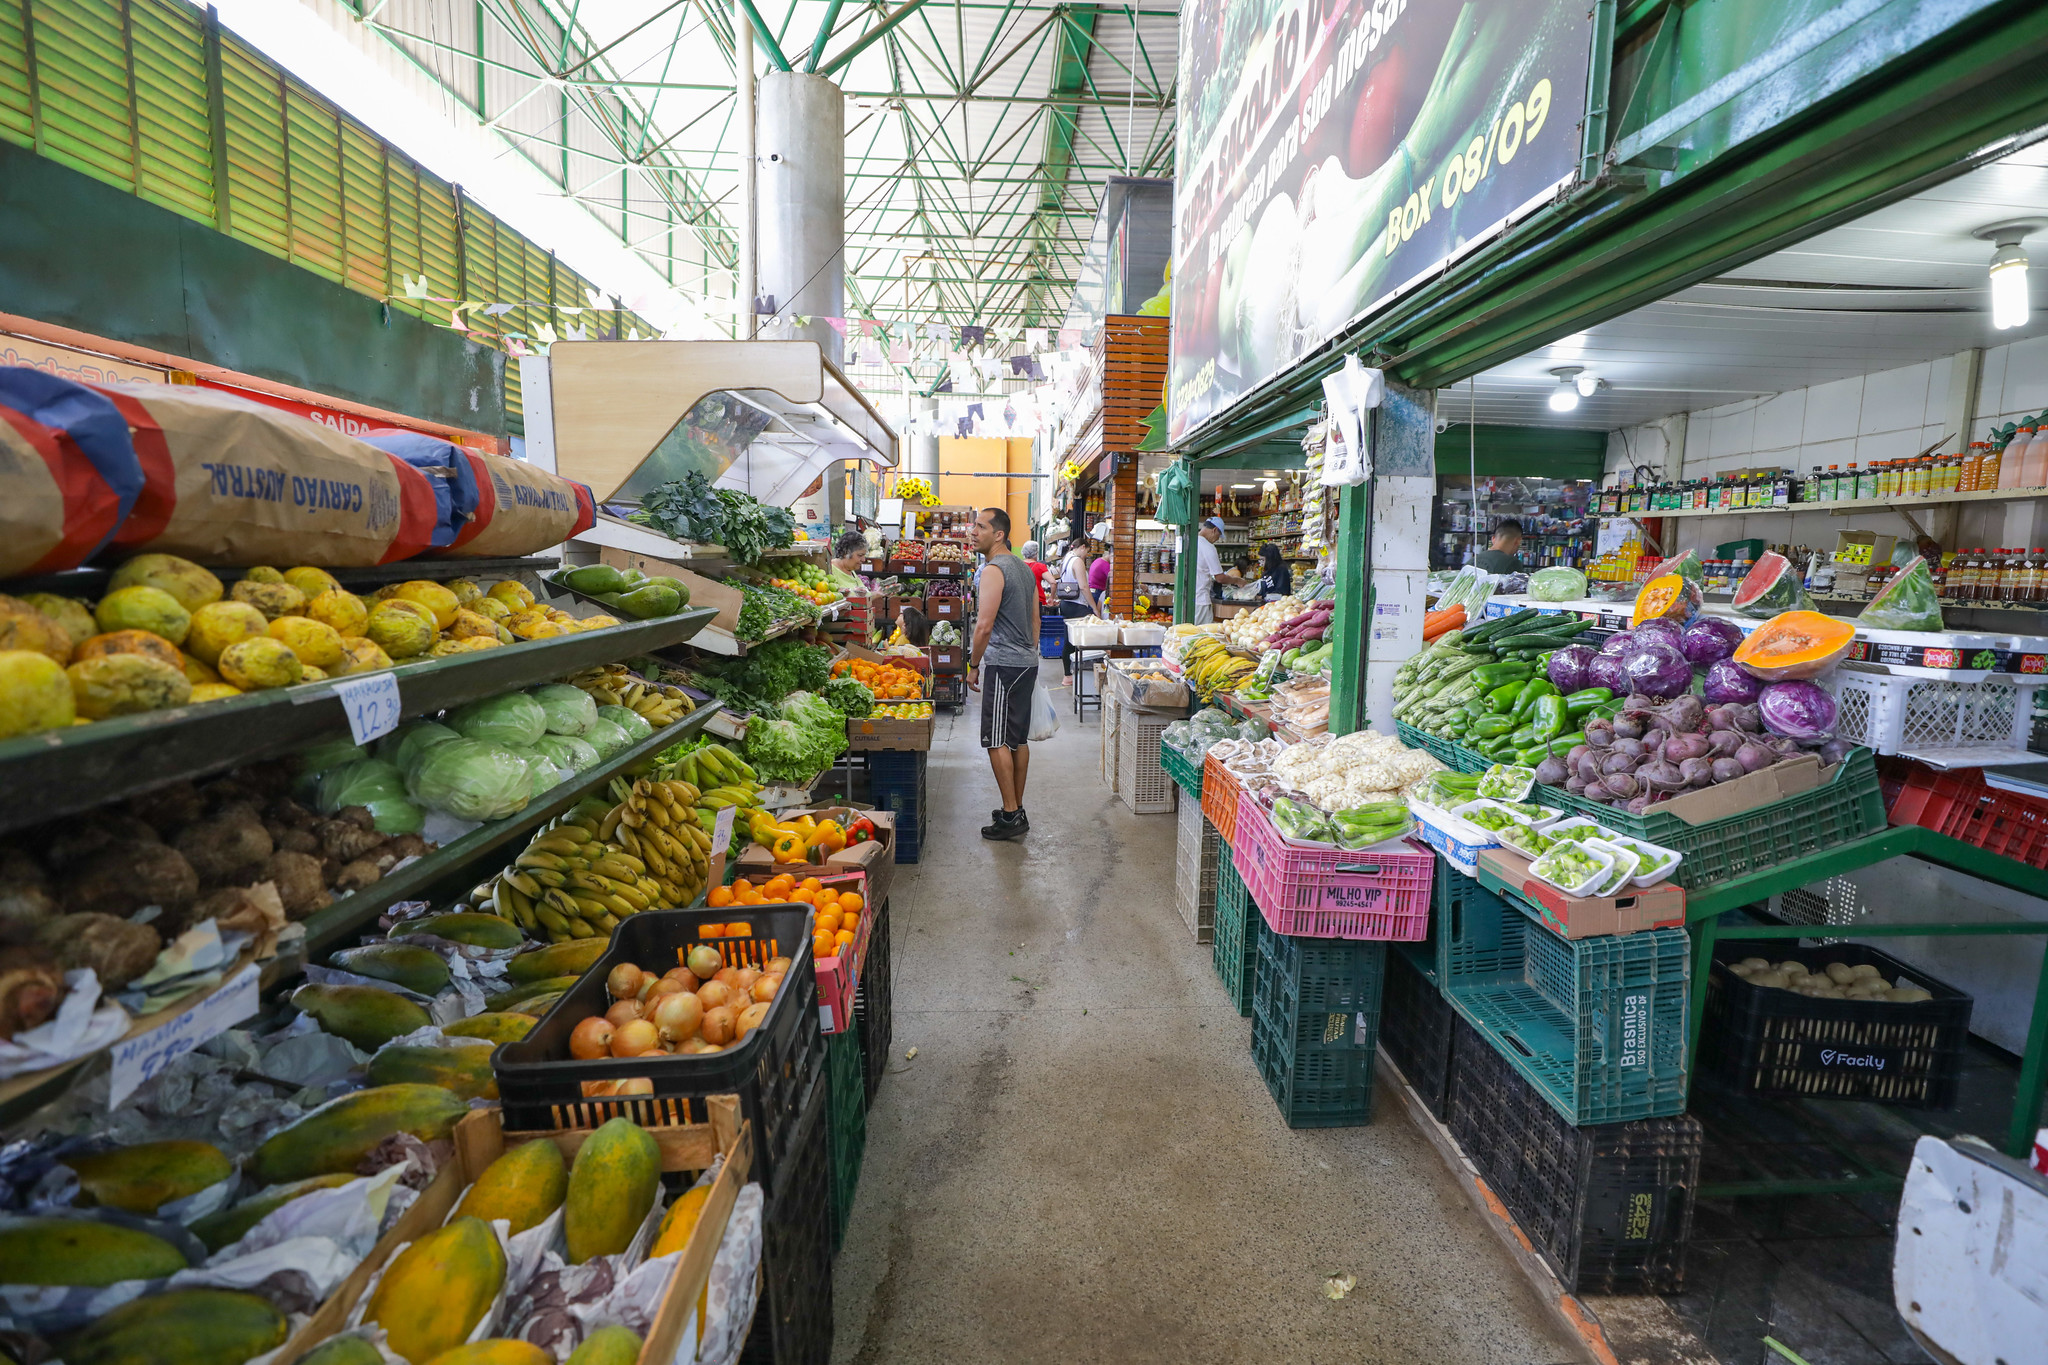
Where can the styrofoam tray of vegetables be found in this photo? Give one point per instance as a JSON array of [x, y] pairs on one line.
[[1507, 782], [1573, 868], [1496, 816], [1654, 861], [1626, 865]]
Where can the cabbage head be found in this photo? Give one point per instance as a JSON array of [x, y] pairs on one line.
[[541, 766], [472, 780], [406, 747], [568, 751], [358, 784], [570, 710], [606, 737], [514, 718], [396, 815], [636, 726], [321, 755]]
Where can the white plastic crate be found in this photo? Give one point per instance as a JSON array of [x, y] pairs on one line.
[[1194, 881], [1140, 781], [1946, 724]]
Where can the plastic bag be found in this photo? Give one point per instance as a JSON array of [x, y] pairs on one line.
[[1557, 584], [1908, 602], [1045, 717]]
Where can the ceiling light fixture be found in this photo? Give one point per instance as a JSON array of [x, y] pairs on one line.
[[1566, 396], [2009, 303], [1244, 485]]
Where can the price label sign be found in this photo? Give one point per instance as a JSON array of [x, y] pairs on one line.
[[721, 833], [371, 702], [139, 1058]]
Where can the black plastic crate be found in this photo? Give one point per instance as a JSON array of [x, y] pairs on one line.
[[793, 1319], [874, 1002], [772, 1069], [847, 1101], [1608, 1206], [1764, 1040], [1315, 1017], [1416, 1030]]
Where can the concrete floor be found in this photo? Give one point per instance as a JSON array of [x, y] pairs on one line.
[[1081, 1164]]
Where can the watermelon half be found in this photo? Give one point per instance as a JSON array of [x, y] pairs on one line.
[[1771, 587]]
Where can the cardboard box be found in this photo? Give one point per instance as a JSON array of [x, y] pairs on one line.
[[1863, 548], [1787, 777], [897, 604], [1637, 908], [876, 858], [871, 732], [948, 659]]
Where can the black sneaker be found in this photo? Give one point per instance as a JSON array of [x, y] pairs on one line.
[[1006, 826]]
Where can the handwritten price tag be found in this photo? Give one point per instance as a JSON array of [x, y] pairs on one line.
[[371, 702], [721, 833], [139, 1058]]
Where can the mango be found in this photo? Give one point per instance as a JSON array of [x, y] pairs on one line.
[[341, 609], [125, 684], [492, 1027], [342, 1132], [611, 1187], [145, 1177], [217, 625], [363, 1015], [409, 965], [523, 1187], [68, 612], [74, 1251], [342, 1351], [193, 586], [435, 598], [259, 663], [35, 693], [464, 1070], [495, 1351], [477, 930], [361, 656], [573, 958], [399, 631], [230, 1225], [315, 643], [144, 608], [311, 582], [610, 1346], [272, 599], [23, 627], [437, 1290], [183, 1327]]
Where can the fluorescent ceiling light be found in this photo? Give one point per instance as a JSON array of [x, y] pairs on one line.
[[2009, 303], [1244, 485], [1566, 396]]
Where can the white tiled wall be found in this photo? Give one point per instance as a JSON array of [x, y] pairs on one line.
[[1890, 415]]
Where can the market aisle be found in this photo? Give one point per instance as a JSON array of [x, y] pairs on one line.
[[1081, 1165]]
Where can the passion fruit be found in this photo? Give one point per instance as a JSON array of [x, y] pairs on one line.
[[217, 625], [215, 691], [511, 592], [341, 609], [131, 642], [124, 684], [401, 631], [360, 656], [260, 663], [35, 693], [315, 643], [311, 581], [272, 599], [192, 585], [144, 608], [435, 598], [70, 613]]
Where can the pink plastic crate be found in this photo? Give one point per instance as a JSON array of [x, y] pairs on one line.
[[1300, 891]]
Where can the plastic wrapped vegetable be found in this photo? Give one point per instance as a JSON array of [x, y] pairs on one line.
[[540, 766], [605, 737], [358, 784], [1908, 602], [472, 779], [636, 726], [1557, 584], [569, 710], [514, 718], [406, 747], [396, 815], [330, 753], [568, 751]]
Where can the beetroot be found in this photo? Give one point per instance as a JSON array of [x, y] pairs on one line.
[[1698, 772], [1605, 671], [1797, 709], [1727, 769], [1729, 681], [1754, 757], [1655, 667], [1709, 640], [1567, 670]]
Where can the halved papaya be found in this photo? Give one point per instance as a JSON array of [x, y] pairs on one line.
[[1672, 597], [1795, 644]]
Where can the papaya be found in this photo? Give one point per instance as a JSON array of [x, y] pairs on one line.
[[610, 1346], [681, 1220], [405, 964], [573, 958], [145, 1177], [611, 1187], [437, 1290], [184, 1327], [477, 930], [340, 1133], [342, 1351], [364, 1015], [495, 1351], [464, 1070], [537, 1005], [79, 1251], [1795, 644], [230, 1225], [523, 1187], [492, 1027], [531, 990]]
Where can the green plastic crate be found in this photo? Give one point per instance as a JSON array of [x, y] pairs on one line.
[[847, 1117], [1315, 1023], [1233, 947], [1596, 1024], [1849, 805], [1186, 772], [1451, 755]]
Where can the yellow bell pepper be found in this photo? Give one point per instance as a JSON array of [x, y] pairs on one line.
[[805, 826], [828, 836], [788, 847]]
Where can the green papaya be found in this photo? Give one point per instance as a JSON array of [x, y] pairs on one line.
[[468, 926], [572, 958], [608, 1346], [342, 1351], [145, 1177], [405, 964], [682, 590], [526, 991], [230, 1225], [504, 1027], [649, 601], [184, 1327], [594, 579], [364, 1015], [465, 1070], [82, 1252], [612, 1184], [340, 1133]]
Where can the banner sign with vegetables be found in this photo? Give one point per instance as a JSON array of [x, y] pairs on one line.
[[1330, 152]]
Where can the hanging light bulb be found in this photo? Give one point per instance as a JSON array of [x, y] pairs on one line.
[[1566, 396], [2009, 303], [1587, 384]]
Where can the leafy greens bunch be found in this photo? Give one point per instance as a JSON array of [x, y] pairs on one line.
[[809, 735], [757, 682]]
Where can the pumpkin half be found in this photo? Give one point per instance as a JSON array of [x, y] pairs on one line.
[[1672, 597], [1795, 644]]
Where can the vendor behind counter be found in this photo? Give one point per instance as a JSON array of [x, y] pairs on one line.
[[1501, 555]]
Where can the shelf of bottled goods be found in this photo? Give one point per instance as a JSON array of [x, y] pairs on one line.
[[1845, 505]]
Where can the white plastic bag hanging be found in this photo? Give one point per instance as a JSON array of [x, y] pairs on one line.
[[1348, 394], [1045, 717]]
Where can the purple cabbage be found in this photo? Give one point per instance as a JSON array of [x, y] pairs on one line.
[[1797, 709], [1567, 671], [1661, 628], [1605, 670], [1728, 681], [1617, 642], [1655, 667], [1709, 640]]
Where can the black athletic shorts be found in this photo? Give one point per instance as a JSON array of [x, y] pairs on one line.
[[1006, 705]]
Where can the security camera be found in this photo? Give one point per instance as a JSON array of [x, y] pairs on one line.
[[774, 157]]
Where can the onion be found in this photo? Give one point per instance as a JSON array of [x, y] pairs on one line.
[[623, 1012], [704, 960], [635, 1039], [713, 994], [591, 1039], [623, 982], [677, 1016], [719, 1025]]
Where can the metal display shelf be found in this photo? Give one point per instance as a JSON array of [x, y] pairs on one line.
[[92, 581], [59, 772], [1845, 504], [443, 874]]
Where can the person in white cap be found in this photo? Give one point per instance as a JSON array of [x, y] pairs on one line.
[[1209, 570]]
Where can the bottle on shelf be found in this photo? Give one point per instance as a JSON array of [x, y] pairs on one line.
[[1961, 577], [2034, 466], [1847, 489], [2013, 457]]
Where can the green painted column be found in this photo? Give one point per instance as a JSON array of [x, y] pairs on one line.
[[1354, 598], [1184, 566]]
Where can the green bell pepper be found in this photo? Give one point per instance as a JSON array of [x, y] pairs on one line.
[[1489, 676], [1581, 704], [1532, 691], [1501, 700], [1491, 727], [1549, 715]]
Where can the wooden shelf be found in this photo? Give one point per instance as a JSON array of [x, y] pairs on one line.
[[1850, 505]]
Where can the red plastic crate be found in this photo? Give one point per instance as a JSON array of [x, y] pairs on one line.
[[1960, 804], [1219, 798], [839, 975], [1301, 891]]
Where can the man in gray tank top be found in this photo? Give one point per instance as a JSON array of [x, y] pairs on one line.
[[1005, 657]]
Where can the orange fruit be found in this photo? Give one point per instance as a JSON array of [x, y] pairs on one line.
[[850, 900], [844, 936], [720, 896], [749, 897], [827, 921], [849, 921], [823, 946], [741, 884], [800, 897], [811, 884], [739, 929], [779, 884], [711, 931]]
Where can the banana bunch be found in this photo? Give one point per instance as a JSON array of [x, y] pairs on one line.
[[657, 822], [1210, 667], [570, 882], [723, 779], [656, 703]]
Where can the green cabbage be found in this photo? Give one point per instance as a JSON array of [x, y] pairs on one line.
[[396, 815], [514, 718], [321, 755], [606, 737], [406, 747], [358, 784], [636, 726], [570, 710], [472, 780], [569, 751], [1557, 584], [540, 765]]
